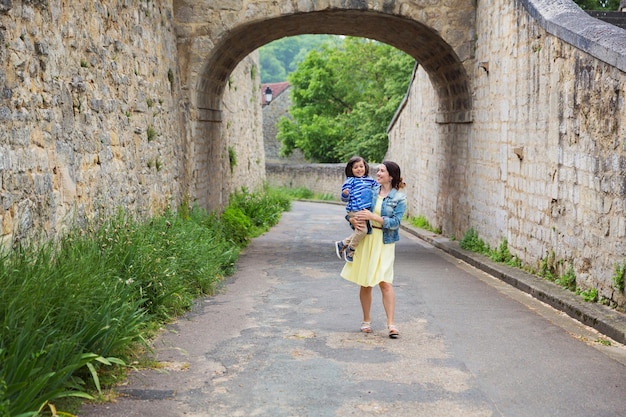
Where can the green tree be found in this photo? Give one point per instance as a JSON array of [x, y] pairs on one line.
[[598, 4], [343, 99], [272, 70], [279, 58]]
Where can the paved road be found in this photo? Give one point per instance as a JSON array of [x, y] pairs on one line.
[[281, 339]]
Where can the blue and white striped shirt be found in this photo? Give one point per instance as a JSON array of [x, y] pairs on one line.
[[359, 193]]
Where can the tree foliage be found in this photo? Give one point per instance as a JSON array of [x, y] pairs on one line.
[[598, 4], [279, 58], [343, 99]]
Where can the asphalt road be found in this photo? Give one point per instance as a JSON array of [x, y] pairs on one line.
[[282, 339]]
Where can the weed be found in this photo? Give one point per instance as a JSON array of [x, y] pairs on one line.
[[603, 342], [589, 296], [547, 267], [152, 133], [473, 243], [422, 223], [83, 63], [568, 279], [618, 276], [501, 254], [232, 158], [158, 164], [149, 102]]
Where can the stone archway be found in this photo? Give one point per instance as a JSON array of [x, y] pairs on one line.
[[216, 38]]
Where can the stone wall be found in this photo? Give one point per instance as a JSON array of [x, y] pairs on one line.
[[242, 134], [278, 108], [92, 116], [319, 178], [543, 165]]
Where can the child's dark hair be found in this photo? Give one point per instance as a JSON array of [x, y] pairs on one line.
[[353, 161]]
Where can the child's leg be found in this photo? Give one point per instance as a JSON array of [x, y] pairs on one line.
[[348, 240], [357, 237], [342, 245]]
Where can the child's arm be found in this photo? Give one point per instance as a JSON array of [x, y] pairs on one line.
[[345, 190]]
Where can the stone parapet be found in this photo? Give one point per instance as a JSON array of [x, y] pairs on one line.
[[319, 178]]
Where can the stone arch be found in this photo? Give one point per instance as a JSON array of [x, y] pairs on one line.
[[443, 60]]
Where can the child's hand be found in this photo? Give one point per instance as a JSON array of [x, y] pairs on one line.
[[345, 192]]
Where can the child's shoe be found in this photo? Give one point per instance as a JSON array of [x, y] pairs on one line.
[[339, 248], [348, 254]]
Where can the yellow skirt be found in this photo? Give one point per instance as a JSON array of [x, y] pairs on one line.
[[373, 261]]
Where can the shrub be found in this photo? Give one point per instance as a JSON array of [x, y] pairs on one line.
[[473, 243], [263, 209], [236, 226]]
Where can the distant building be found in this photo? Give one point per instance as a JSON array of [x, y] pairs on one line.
[[272, 112]]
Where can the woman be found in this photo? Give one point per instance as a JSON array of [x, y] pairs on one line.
[[373, 262]]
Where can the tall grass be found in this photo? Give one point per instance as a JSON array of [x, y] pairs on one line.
[[70, 307]]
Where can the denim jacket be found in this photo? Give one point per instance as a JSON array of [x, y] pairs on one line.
[[392, 211]]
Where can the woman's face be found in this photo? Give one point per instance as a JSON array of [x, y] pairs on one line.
[[382, 175], [358, 169]]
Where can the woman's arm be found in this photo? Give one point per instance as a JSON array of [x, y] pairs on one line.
[[398, 204], [365, 214]]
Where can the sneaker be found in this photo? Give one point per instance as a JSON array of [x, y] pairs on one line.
[[339, 248], [348, 254]]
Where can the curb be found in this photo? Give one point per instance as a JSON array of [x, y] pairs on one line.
[[604, 319]]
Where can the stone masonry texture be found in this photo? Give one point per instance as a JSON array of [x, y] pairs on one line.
[[543, 163]]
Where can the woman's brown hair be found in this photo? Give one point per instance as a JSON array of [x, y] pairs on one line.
[[394, 172]]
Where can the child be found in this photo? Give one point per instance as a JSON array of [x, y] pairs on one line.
[[356, 191]]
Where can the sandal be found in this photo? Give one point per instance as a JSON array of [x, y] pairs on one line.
[[366, 327], [393, 331]]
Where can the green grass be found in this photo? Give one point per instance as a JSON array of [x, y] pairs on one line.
[[75, 311], [422, 223], [303, 193], [548, 269]]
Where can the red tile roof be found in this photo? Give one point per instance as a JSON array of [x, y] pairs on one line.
[[277, 89]]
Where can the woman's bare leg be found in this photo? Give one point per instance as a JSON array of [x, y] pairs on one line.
[[389, 301], [365, 295]]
